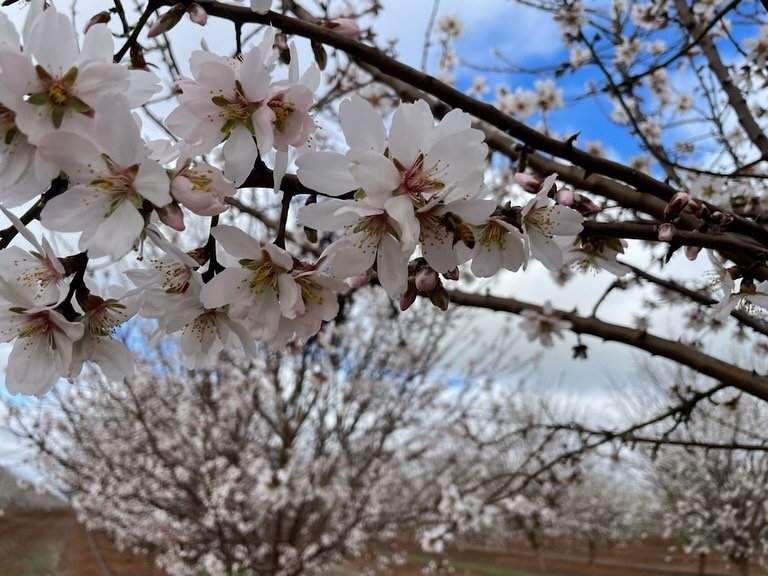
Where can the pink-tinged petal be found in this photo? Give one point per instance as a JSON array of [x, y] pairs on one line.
[[236, 242], [240, 154], [541, 197], [362, 124], [53, 42], [487, 261], [254, 76], [279, 256], [142, 85], [545, 250], [311, 77], [565, 221], [153, 183], [227, 286], [289, 295], [117, 132], [457, 155], [97, 44], [18, 78], [116, 235], [72, 330], [400, 209], [453, 122], [281, 167], [473, 212], [439, 251], [78, 209], [114, 359], [263, 129], [9, 38], [246, 340], [30, 367], [324, 216], [71, 153], [411, 125], [351, 255], [212, 70], [325, 172], [23, 230], [392, 267], [373, 172]]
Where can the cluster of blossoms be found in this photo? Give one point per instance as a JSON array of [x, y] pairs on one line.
[[415, 190]]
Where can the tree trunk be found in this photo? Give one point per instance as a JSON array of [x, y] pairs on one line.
[[702, 564], [743, 564], [541, 568], [592, 552]]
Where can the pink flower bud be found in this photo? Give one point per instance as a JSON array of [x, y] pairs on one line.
[[667, 232], [676, 206], [586, 206], [452, 274], [167, 20], [100, 18], [197, 14], [529, 182], [565, 196], [358, 281], [692, 252], [344, 26], [426, 279], [407, 299], [171, 215]]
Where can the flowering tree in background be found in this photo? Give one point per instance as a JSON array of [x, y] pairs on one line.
[[408, 196]]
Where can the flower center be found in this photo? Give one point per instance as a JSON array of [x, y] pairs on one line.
[[118, 182], [58, 94], [418, 180], [237, 110], [282, 111]]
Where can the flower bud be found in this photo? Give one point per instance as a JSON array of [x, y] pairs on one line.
[[667, 232], [345, 26], [358, 281], [100, 18], [452, 274], [407, 299], [692, 252], [676, 206], [197, 14], [586, 207], [171, 215], [167, 21], [565, 196], [439, 297], [528, 182], [426, 279]]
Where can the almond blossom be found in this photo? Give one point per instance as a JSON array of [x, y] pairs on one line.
[[407, 180], [98, 345], [201, 188], [203, 331], [42, 350], [40, 271], [498, 245], [542, 220], [54, 83], [110, 179], [543, 325], [260, 290]]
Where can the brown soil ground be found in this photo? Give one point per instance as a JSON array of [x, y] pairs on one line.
[[53, 543]]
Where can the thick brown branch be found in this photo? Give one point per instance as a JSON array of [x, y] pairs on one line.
[[748, 381]]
